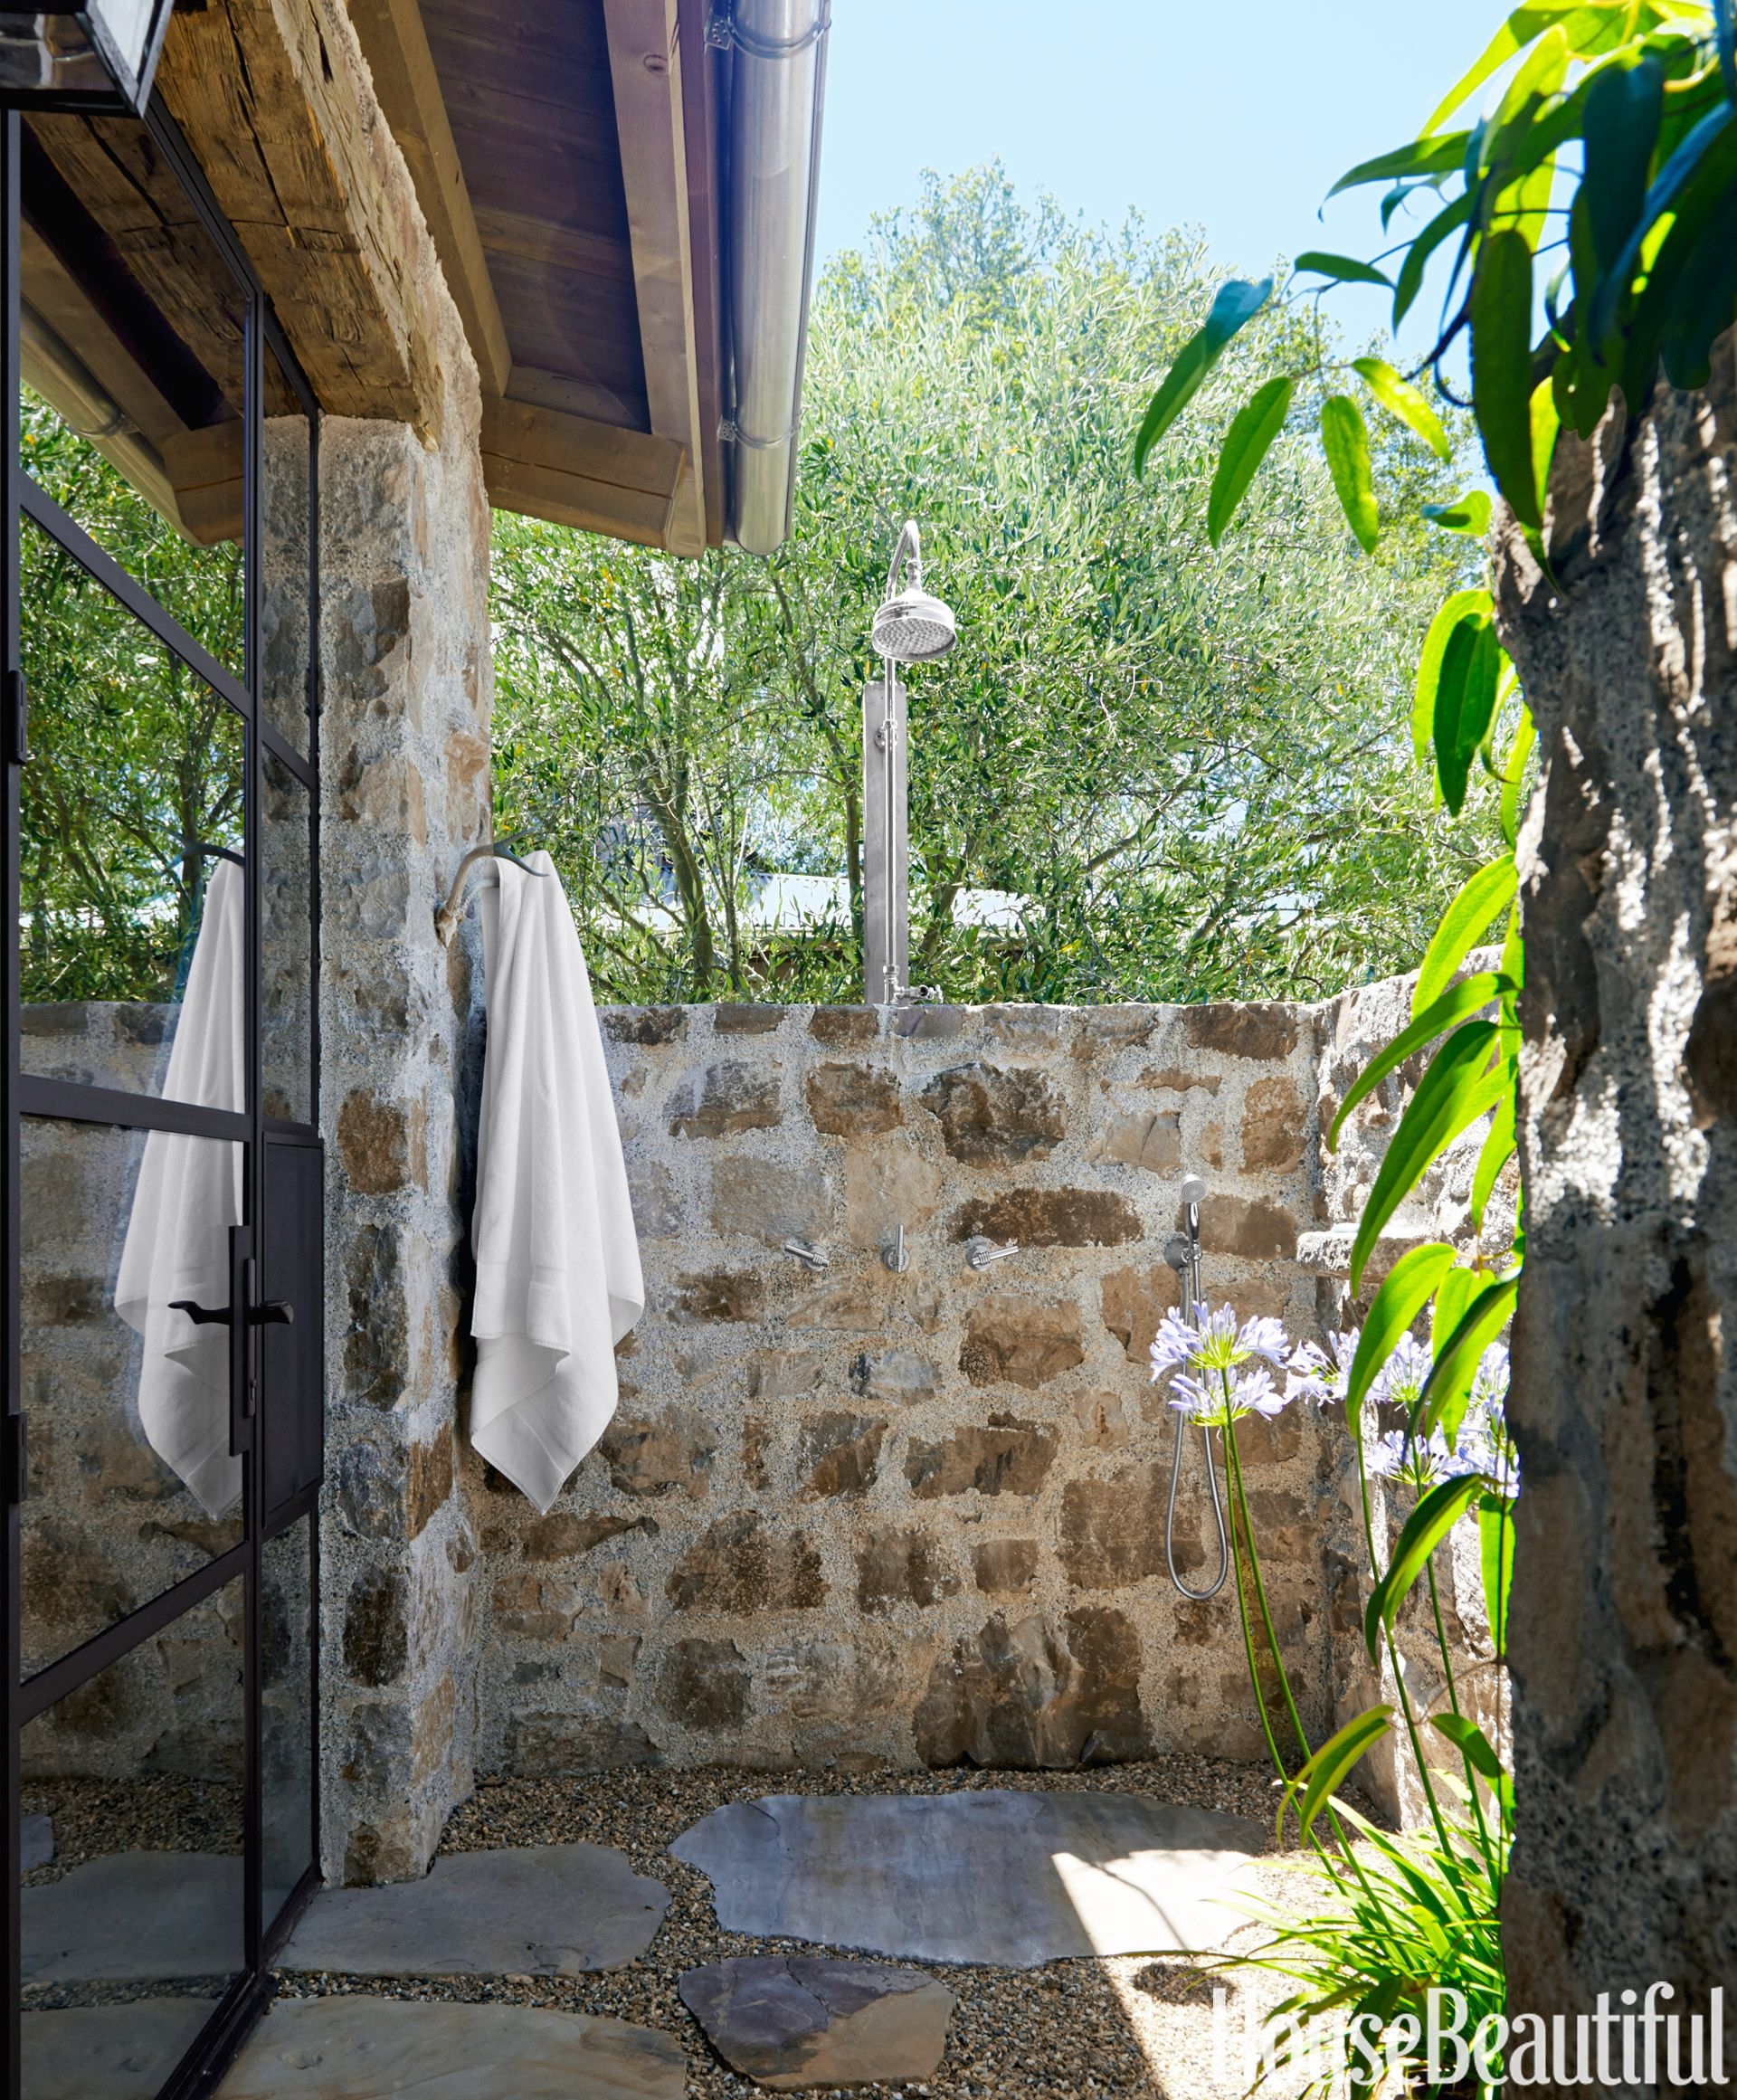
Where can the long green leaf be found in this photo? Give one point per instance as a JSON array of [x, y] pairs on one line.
[[1476, 904], [1429, 1523], [1619, 124], [1442, 1402], [1435, 642], [1423, 245], [1344, 438], [1473, 1745], [1453, 1093], [1513, 773], [1471, 672], [1498, 1150], [1501, 313], [1322, 1776], [1469, 513], [1454, 1006], [1459, 1288], [1235, 304], [1401, 399], [1672, 179], [1518, 30], [1495, 1555], [1246, 445], [1407, 1286], [1419, 160], [1344, 269]]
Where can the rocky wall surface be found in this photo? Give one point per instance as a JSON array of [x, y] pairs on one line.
[[1625, 1645], [860, 1515], [406, 692]]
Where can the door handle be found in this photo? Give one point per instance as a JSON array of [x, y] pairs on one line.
[[201, 1315], [272, 1313]]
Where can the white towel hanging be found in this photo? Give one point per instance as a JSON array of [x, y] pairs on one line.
[[558, 1278], [187, 1196]]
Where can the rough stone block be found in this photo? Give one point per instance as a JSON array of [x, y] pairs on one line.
[[1151, 1139], [853, 1100], [1006, 1457], [658, 1211], [755, 1199], [376, 1629], [785, 1373], [369, 1486], [704, 1685], [1024, 1695], [844, 1024], [430, 1481], [737, 1566], [1259, 1231], [747, 1020], [1274, 1125], [888, 1185], [1004, 1567], [671, 1451], [726, 1099], [547, 1745], [649, 1027], [1104, 1418], [565, 1534], [990, 1117], [840, 1454], [1112, 1531], [372, 1144], [902, 1567], [1049, 1217], [718, 1294], [895, 1375], [1020, 1341], [1266, 1031]]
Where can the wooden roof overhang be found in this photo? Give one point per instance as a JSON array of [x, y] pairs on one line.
[[565, 159]]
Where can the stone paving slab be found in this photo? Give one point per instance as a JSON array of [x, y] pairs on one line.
[[133, 1916], [109, 2052], [532, 1910], [795, 2022], [367, 2049], [990, 1876], [35, 1842]]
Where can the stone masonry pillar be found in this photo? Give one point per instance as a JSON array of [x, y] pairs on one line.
[[1625, 1390], [405, 537]]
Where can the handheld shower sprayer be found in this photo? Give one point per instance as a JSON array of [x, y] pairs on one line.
[[1182, 1252]]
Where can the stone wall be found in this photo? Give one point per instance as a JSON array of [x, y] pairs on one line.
[[1625, 1647], [862, 1516], [406, 692]]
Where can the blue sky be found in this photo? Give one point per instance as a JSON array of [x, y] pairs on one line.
[[1237, 118]]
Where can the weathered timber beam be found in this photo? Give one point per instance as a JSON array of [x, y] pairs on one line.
[[276, 102], [573, 472], [645, 69], [395, 45]]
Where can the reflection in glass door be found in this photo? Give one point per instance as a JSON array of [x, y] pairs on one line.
[[164, 1173]]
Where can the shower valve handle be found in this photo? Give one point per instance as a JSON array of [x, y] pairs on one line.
[[981, 1253]]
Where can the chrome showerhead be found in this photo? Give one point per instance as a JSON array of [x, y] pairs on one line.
[[911, 626], [1193, 1189]]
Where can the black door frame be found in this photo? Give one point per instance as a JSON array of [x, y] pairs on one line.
[[206, 2061]]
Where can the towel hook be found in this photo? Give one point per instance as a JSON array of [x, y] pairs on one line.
[[810, 1257], [895, 1254], [446, 914], [982, 1253]]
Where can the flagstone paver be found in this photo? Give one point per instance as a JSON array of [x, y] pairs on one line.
[[795, 2022], [535, 1910], [1015, 1879]]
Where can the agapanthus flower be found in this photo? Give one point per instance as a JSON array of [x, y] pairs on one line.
[[1208, 1364], [1401, 1379], [1321, 1371]]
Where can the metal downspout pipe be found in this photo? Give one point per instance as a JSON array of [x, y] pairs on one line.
[[777, 75]]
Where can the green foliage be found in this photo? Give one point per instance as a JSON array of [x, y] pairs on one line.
[[1183, 770], [136, 764]]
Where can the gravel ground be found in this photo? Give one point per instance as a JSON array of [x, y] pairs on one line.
[[1072, 2030]]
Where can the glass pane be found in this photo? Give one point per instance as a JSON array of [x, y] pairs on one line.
[[286, 483], [131, 919], [286, 943], [131, 1801], [131, 334], [131, 1484], [286, 1712]]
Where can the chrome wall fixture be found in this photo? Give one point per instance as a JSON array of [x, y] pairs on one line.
[[1182, 1252], [910, 627], [982, 1253]]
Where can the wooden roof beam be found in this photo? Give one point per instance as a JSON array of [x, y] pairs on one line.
[[275, 101], [645, 69], [395, 45], [571, 470]]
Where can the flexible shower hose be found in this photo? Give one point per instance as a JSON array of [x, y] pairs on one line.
[[1194, 1596]]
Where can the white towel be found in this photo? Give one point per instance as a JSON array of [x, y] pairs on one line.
[[188, 1195], [558, 1280]]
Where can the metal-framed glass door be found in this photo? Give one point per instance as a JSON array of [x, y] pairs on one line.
[[163, 1173]]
